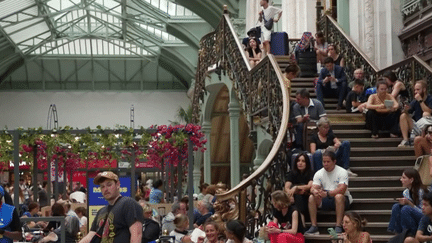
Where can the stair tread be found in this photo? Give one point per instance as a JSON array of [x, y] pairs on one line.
[[375, 140], [373, 200], [383, 158], [361, 212], [375, 189], [374, 178], [378, 168], [382, 149], [326, 237], [369, 225]]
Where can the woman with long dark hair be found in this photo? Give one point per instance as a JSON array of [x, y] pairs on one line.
[[253, 52], [299, 182], [407, 212]]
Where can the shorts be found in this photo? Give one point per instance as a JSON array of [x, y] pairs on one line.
[[265, 34], [328, 203]]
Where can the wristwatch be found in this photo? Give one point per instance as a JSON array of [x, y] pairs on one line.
[[328, 194], [2, 231], [420, 101]]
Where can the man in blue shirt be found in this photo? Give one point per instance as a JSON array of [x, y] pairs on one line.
[[332, 82], [421, 106]]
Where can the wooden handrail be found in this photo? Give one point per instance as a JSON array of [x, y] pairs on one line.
[[276, 145], [239, 45]]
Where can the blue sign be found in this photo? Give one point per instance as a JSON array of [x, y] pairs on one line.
[[95, 194]]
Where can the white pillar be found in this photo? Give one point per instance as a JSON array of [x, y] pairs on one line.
[[198, 158], [206, 128], [234, 114], [252, 9]]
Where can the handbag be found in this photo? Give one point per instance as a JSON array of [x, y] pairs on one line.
[[268, 24], [97, 238]]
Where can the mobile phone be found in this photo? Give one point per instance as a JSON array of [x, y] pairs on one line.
[[329, 75], [333, 233]]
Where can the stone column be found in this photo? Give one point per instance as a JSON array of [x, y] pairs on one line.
[[234, 114], [369, 11], [252, 9], [198, 158], [206, 128]]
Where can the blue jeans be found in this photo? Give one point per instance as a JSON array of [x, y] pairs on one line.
[[404, 217], [342, 156], [325, 90]]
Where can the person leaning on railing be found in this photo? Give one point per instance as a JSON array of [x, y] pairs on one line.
[[383, 112]]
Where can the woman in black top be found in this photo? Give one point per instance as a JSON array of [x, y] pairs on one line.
[[286, 225], [323, 139], [253, 52], [299, 182], [337, 57]]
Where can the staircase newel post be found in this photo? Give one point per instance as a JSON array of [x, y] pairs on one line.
[[319, 9], [242, 206]]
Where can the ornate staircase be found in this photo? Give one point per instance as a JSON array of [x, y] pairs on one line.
[[261, 92]]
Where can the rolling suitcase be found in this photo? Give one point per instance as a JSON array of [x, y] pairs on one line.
[[279, 44]]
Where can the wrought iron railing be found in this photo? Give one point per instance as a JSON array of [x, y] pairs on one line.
[[415, 9], [408, 70], [262, 92], [353, 55]]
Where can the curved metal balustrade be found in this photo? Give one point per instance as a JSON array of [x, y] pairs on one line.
[[261, 91]]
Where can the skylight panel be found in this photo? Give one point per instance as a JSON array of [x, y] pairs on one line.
[[11, 6]]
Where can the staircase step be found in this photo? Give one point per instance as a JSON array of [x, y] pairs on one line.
[[376, 192], [370, 215], [372, 227], [373, 181], [372, 142], [381, 151], [382, 160], [378, 172], [325, 238], [375, 203]]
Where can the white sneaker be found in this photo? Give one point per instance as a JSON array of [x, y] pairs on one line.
[[351, 174], [404, 143]]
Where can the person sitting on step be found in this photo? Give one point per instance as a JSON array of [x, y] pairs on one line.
[[423, 143], [305, 110], [383, 112], [420, 107], [323, 139], [424, 230], [253, 52], [299, 182], [396, 87], [332, 82], [407, 212], [337, 57], [356, 100], [320, 47], [329, 192], [286, 225]]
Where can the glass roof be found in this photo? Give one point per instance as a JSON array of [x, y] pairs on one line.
[[90, 27]]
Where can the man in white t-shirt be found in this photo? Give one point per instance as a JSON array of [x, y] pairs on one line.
[[329, 192], [267, 13]]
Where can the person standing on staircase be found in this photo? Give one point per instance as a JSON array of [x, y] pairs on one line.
[[329, 192], [265, 15], [420, 107], [332, 82]]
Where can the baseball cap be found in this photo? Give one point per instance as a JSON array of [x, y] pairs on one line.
[[2, 192], [106, 174]]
